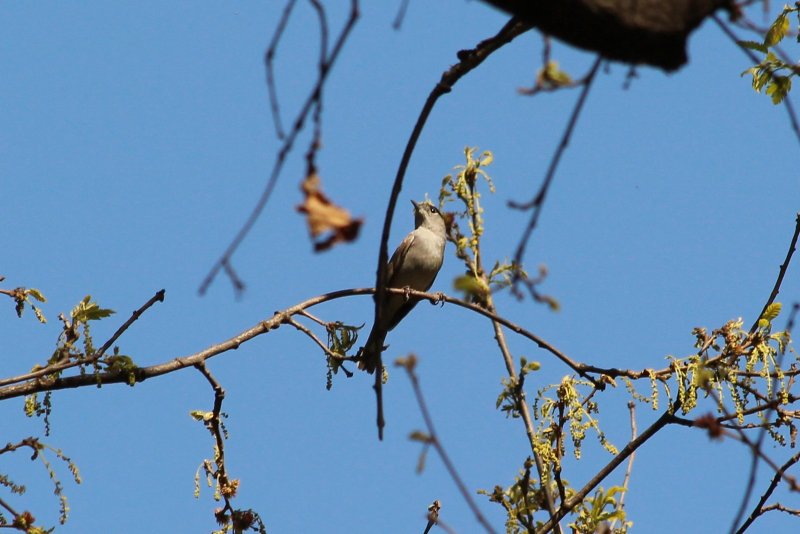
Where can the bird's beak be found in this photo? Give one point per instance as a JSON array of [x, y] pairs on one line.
[[416, 205]]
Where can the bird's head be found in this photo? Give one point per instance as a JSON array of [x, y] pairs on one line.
[[427, 215]]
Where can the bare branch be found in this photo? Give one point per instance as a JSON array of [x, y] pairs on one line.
[[759, 507], [629, 469], [401, 14], [538, 201], [408, 363], [268, 58], [781, 272], [312, 102]]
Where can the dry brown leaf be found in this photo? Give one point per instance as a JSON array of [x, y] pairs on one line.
[[323, 216]]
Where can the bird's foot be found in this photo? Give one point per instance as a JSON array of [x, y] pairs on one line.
[[407, 295]]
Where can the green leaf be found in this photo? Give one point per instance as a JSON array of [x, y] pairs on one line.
[[772, 311], [753, 45], [777, 31], [532, 366], [39, 314], [35, 293], [470, 285], [778, 88], [552, 75], [760, 79], [86, 310], [201, 416]]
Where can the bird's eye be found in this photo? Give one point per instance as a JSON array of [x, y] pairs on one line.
[[433, 209]]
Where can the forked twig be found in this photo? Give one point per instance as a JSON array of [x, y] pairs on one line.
[[537, 202], [268, 59], [312, 102]]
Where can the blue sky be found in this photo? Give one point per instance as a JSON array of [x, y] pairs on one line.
[[136, 138]]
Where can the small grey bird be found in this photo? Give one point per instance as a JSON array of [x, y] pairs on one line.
[[414, 264]]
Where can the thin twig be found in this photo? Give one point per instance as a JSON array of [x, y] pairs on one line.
[[524, 411], [401, 14], [380, 421], [214, 425], [538, 201], [8, 508], [759, 507], [741, 436], [268, 59], [781, 272], [408, 364], [522, 403], [629, 469], [778, 507], [312, 102], [546, 84], [314, 318], [158, 297], [314, 337]]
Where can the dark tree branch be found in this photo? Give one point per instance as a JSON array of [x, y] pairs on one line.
[[268, 59], [759, 507], [468, 60], [214, 425], [665, 419], [650, 32], [781, 272]]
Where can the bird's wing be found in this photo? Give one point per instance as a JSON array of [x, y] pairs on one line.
[[398, 258]]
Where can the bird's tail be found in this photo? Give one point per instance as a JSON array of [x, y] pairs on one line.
[[372, 350]]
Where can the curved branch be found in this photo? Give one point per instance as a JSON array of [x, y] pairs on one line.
[[281, 317], [468, 60], [781, 272]]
